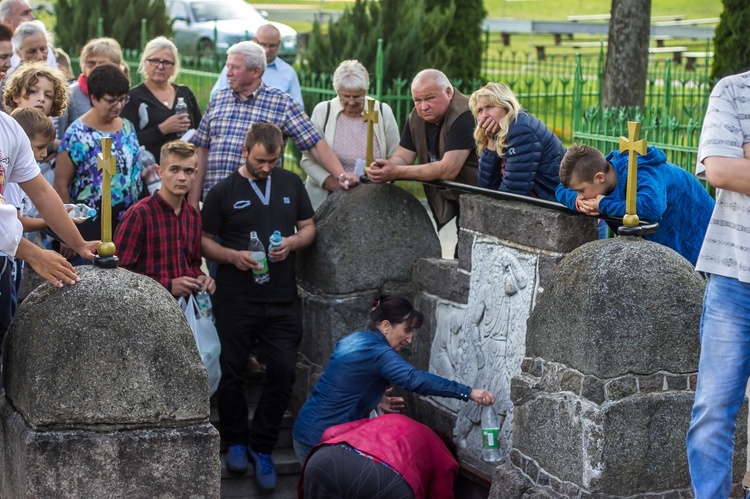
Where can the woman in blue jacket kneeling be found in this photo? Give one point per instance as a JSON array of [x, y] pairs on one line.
[[362, 366], [517, 152]]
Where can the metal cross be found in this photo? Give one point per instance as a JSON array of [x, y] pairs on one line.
[[633, 146]]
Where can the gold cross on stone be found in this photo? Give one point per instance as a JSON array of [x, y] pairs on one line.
[[371, 117], [633, 146], [106, 164]]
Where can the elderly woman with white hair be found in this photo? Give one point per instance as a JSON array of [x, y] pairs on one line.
[[340, 121], [31, 42], [153, 104]]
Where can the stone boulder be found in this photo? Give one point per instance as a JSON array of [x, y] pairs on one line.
[[603, 401], [105, 395], [113, 350], [619, 306], [368, 239]]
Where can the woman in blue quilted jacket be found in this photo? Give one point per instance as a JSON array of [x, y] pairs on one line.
[[517, 152]]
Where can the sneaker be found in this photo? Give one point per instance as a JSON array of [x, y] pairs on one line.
[[237, 458], [265, 471]]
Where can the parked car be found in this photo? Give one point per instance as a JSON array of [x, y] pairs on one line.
[[208, 26]]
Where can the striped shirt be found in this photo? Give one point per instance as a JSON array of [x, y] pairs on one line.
[[726, 127], [228, 118]]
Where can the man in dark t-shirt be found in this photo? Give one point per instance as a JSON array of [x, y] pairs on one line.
[[440, 134], [262, 199]]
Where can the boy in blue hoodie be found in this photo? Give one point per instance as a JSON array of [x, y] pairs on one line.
[[594, 185]]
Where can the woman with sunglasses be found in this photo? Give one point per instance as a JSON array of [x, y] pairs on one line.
[[152, 106], [77, 178]]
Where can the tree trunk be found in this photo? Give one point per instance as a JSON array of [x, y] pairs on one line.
[[625, 70]]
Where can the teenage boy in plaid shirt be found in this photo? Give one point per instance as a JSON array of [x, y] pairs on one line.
[[160, 236]]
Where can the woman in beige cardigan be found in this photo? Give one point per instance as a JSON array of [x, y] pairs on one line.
[[340, 122]]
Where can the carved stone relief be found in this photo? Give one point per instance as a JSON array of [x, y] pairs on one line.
[[483, 344]]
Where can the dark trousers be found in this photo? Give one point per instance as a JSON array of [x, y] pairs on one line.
[[277, 330], [332, 472], [7, 295]]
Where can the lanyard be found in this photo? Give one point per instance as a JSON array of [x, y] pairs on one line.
[[263, 199]]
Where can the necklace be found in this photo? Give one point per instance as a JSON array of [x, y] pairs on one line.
[[163, 95]]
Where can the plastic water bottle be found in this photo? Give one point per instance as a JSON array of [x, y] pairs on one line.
[[490, 436], [79, 210], [203, 300], [258, 253], [150, 177], [180, 107], [275, 241]]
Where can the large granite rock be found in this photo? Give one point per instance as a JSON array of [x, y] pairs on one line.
[[113, 350], [105, 395], [602, 404], [368, 239], [636, 309]]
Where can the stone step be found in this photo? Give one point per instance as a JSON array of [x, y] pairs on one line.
[[245, 488]]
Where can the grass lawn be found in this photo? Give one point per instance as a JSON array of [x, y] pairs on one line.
[[556, 9]]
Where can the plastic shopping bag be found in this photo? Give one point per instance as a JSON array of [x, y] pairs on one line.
[[206, 339]]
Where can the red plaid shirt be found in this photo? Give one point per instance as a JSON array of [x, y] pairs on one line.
[[152, 240]]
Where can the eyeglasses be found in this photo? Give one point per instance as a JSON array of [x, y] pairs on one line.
[[113, 102], [269, 45], [160, 62], [351, 98]]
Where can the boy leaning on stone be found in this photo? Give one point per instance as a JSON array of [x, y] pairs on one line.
[[667, 194]]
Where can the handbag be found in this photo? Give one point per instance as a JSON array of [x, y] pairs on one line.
[[206, 339]]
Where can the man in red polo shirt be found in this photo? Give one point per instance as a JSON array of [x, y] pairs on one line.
[[160, 236]]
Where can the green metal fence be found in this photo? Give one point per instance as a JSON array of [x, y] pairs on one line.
[[564, 91]]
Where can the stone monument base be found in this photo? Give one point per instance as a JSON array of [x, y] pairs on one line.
[[175, 462]]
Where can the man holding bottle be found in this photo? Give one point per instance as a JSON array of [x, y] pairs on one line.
[[251, 308]]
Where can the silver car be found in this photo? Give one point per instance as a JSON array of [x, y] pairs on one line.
[[208, 26]]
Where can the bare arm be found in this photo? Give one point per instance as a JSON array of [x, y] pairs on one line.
[[393, 169], [305, 235], [731, 174], [194, 196], [64, 173], [54, 213], [325, 157], [50, 265], [302, 239], [221, 254]]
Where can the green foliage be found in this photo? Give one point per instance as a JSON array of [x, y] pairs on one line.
[[77, 21], [465, 37], [416, 34], [732, 40]]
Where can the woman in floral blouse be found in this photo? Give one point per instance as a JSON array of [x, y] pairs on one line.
[[77, 178]]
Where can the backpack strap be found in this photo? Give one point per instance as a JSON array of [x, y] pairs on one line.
[[328, 113]]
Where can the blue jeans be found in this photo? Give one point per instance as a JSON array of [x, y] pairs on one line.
[[722, 378]]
